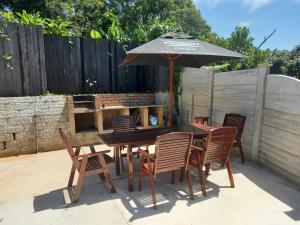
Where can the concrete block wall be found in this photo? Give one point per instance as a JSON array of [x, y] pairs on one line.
[[29, 124]]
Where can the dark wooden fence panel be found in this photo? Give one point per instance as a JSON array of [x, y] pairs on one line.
[[33, 62], [10, 78], [27, 75], [161, 78], [96, 62], [63, 65]]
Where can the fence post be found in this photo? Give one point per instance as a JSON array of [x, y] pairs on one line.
[[262, 72]]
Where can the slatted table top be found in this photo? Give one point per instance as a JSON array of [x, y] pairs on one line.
[[147, 136]]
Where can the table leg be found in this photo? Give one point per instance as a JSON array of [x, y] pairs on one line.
[[117, 160], [130, 169]]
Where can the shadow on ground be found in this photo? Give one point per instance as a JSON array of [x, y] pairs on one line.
[[139, 204]]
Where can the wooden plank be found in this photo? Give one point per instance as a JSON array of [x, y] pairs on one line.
[[99, 121], [23, 58], [33, 61], [96, 58], [42, 65], [63, 65], [15, 73], [161, 78], [144, 116]]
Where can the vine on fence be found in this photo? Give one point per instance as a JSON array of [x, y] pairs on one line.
[[6, 58]]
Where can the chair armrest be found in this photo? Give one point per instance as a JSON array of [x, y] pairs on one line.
[[146, 154], [86, 145], [87, 155]]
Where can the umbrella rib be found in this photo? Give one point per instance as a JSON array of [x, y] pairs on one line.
[[127, 60], [166, 57]]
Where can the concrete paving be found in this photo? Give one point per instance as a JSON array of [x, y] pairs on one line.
[[33, 191]]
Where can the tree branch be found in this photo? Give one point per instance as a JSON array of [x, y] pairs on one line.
[[266, 38]]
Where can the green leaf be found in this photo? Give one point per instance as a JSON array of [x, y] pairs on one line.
[[95, 34]]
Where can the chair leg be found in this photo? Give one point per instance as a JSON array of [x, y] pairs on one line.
[[190, 183], [122, 163], [207, 168], [229, 170], [109, 180], [117, 151], [141, 173], [78, 187], [152, 190], [173, 177], [140, 181], [241, 152], [202, 180], [71, 178]]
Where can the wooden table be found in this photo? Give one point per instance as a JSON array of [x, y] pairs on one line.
[[140, 137]]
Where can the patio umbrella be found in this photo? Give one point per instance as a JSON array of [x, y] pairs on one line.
[[180, 49]]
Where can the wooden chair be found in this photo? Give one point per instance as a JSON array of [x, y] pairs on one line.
[[87, 165], [238, 121], [121, 124], [217, 148], [172, 152]]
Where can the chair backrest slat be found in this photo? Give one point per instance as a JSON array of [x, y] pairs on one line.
[[172, 151], [219, 144], [122, 124], [235, 120], [67, 143]]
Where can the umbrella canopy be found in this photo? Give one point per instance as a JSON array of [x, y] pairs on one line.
[[180, 49]]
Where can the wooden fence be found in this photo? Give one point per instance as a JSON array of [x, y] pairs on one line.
[[22, 61], [41, 63]]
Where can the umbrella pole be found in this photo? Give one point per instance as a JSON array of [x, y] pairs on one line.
[[171, 93]]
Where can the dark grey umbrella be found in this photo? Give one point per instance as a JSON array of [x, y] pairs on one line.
[[180, 49]]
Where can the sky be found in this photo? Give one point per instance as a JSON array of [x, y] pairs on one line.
[[261, 16]]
